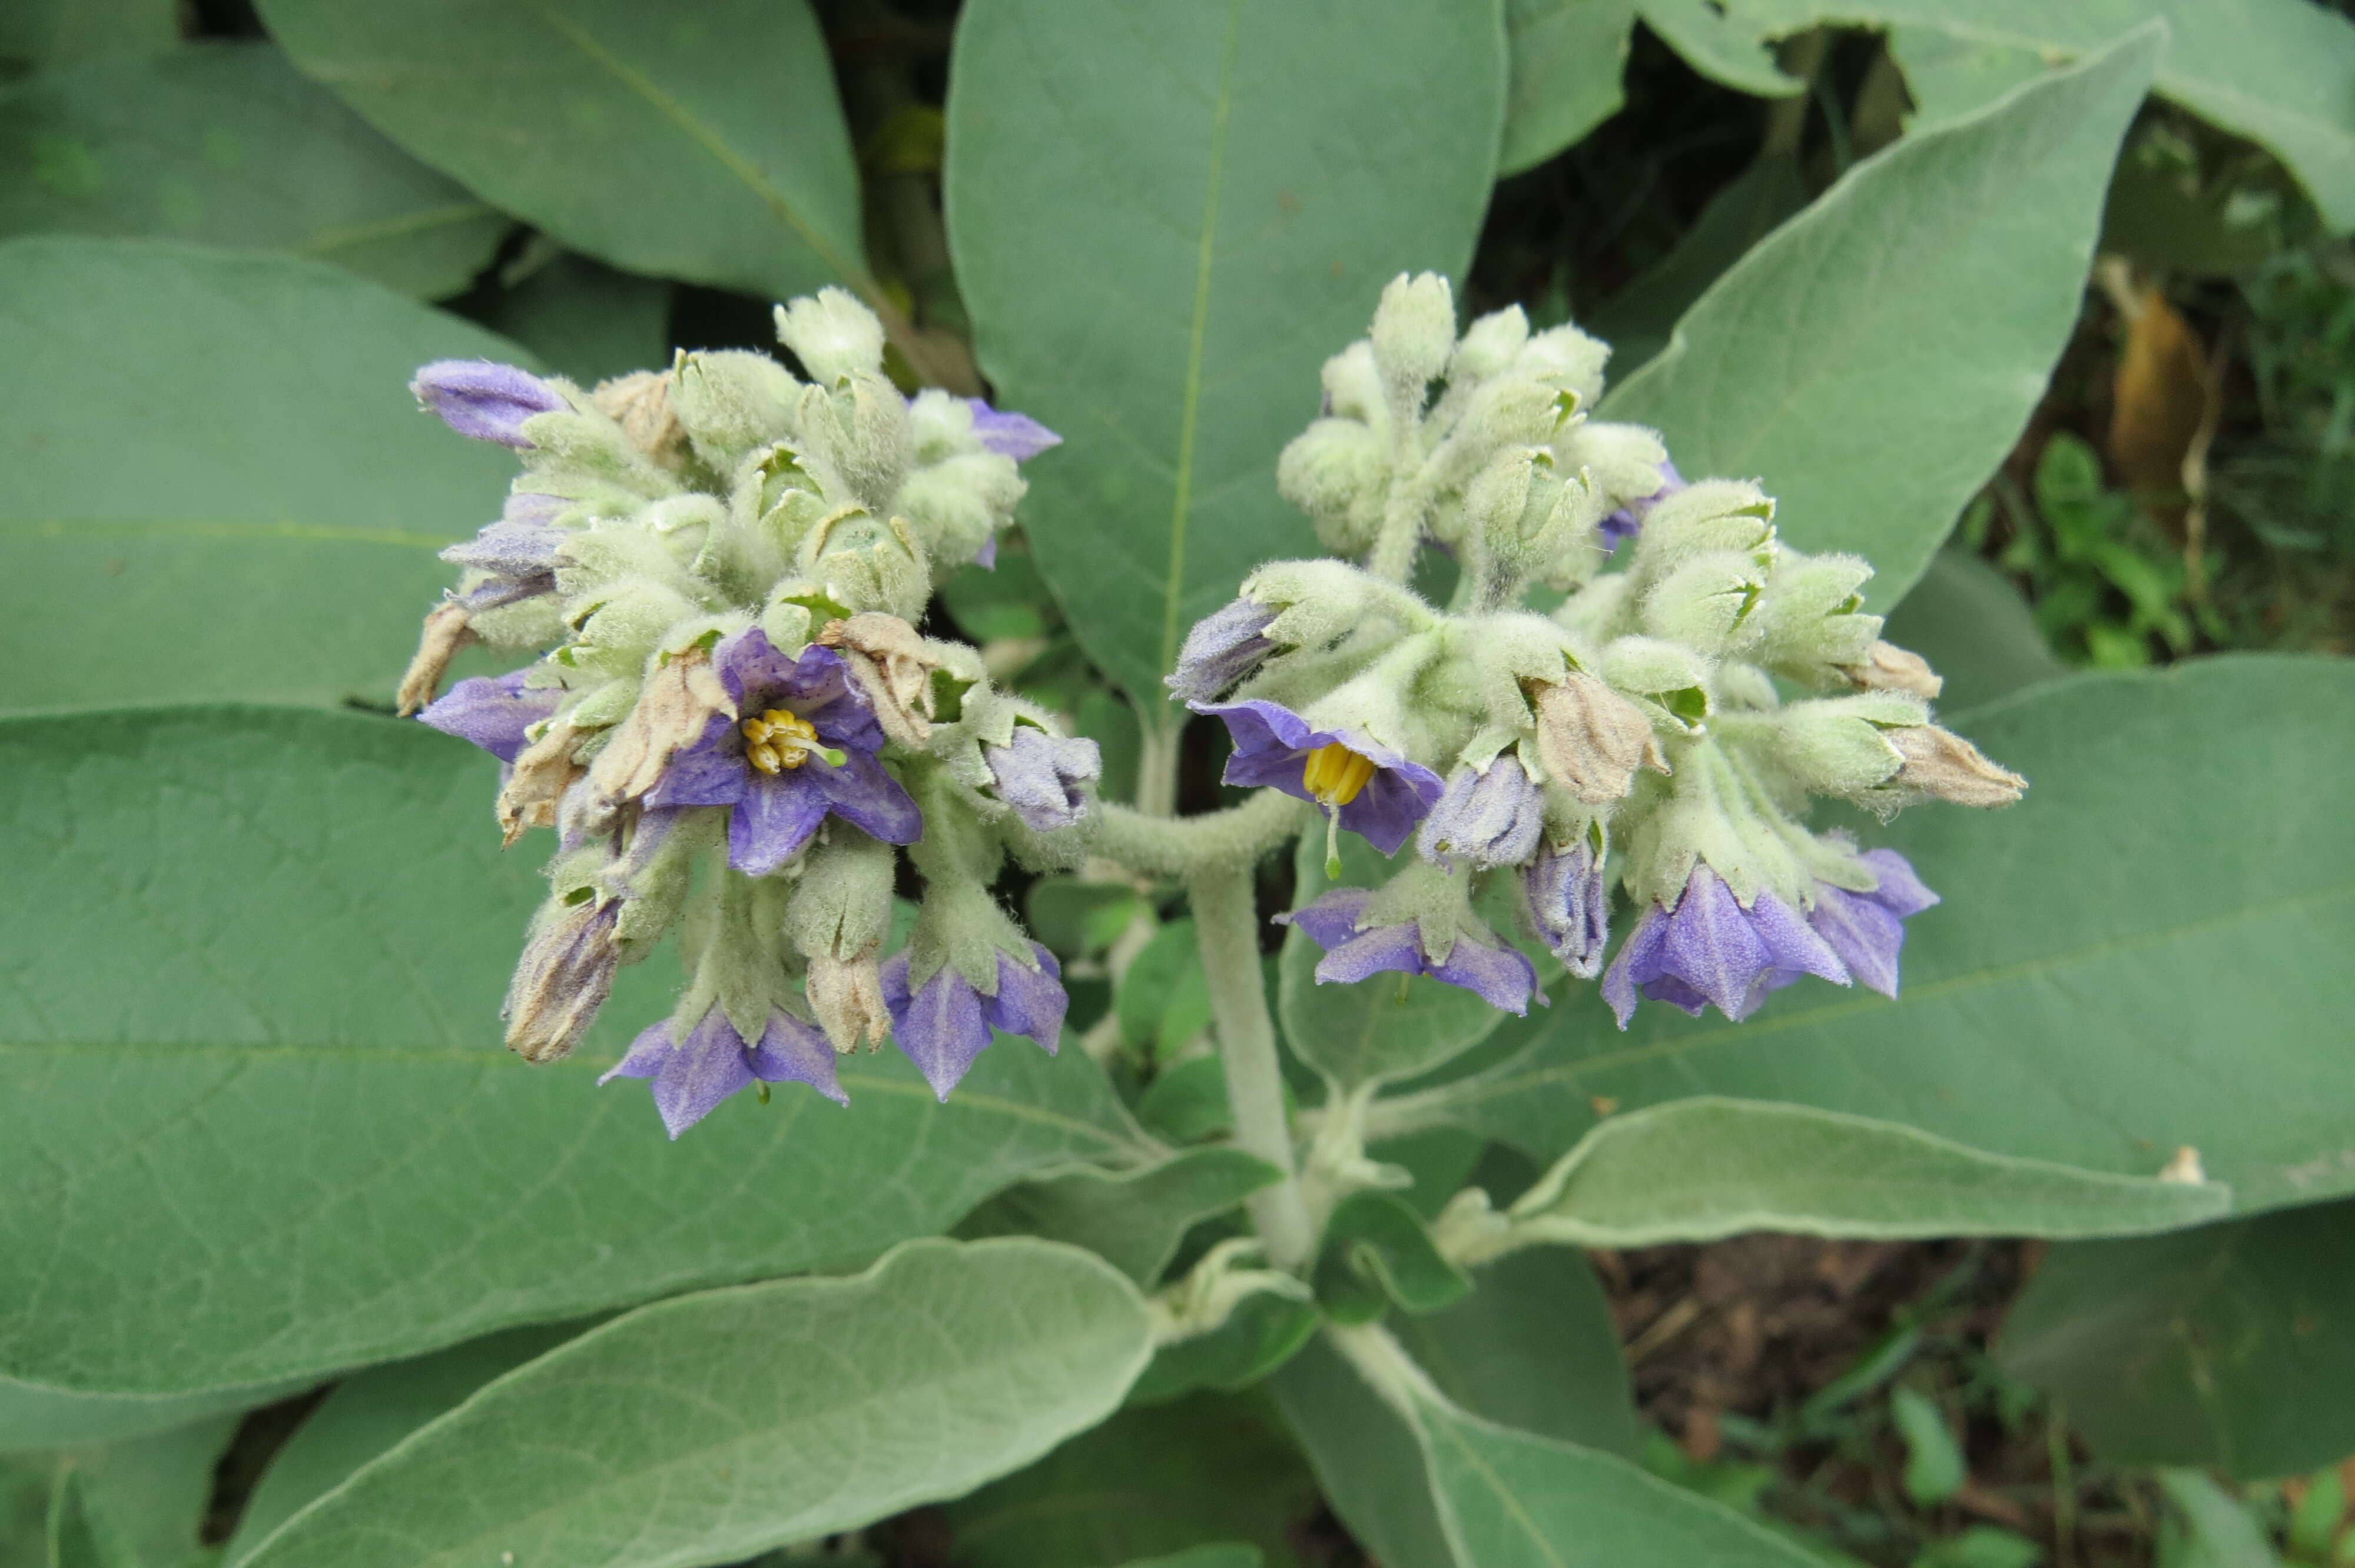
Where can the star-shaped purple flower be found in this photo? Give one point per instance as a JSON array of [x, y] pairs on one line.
[[1223, 647], [484, 399], [1570, 906], [693, 1073], [1371, 790], [1866, 929], [1354, 951], [1018, 436], [781, 782], [1710, 951], [493, 712], [945, 1023]]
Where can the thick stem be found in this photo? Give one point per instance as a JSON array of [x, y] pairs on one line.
[[1156, 763], [1181, 846], [1226, 925], [1383, 1362], [1392, 558]]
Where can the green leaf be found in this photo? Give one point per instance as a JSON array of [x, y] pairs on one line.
[[1533, 1346], [1722, 44], [60, 32], [1638, 320], [1205, 1470], [705, 144], [1261, 1333], [2279, 72], [713, 1427], [227, 143], [1165, 998], [1165, 218], [2210, 1527], [1935, 1469], [1981, 1546], [1567, 55], [1875, 357], [588, 322], [1978, 632], [1133, 1220], [2133, 959], [1187, 1102], [140, 1503], [218, 476], [254, 1118], [1949, 75], [1375, 1251], [1510, 1498], [2230, 1345], [371, 1412], [1387, 1027], [1702, 1169], [1218, 1555], [34, 1417]]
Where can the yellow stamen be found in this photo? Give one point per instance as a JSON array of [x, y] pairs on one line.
[[778, 740], [1335, 774]]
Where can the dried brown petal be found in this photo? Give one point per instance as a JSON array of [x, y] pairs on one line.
[[893, 665], [562, 979], [640, 404], [678, 703], [1591, 739], [1888, 668], [846, 994], [446, 630], [1942, 764], [536, 783]]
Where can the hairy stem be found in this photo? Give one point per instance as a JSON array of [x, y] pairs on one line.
[[1392, 558], [1383, 1362], [1226, 925], [1157, 765], [1184, 847]]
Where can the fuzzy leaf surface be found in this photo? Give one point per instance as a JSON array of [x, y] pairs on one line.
[[711, 1428], [255, 1121], [218, 485], [1165, 218], [1874, 358], [1567, 57]]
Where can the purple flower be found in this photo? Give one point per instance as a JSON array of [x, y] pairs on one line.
[[1628, 521], [946, 1023], [987, 556], [1711, 949], [493, 712], [519, 558], [1224, 646], [693, 1073], [805, 745], [1371, 789], [1041, 776], [1354, 951], [1018, 436], [486, 401], [1489, 818], [1570, 906], [1867, 928]]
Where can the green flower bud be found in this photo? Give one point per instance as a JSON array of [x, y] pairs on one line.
[[1413, 333], [1334, 472], [1809, 623], [862, 563], [833, 335], [731, 402], [1703, 601]]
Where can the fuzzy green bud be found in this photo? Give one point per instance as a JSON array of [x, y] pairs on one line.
[[730, 403], [833, 335]]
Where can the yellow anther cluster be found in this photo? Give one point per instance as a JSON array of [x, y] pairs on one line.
[[778, 740], [1335, 774]]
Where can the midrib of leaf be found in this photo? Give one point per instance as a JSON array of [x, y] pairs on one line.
[[474, 1056], [1475, 1090], [1190, 412], [202, 528], [324, 242], [1504, 1494], [704, 137]]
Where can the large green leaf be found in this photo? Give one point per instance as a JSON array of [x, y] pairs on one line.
[[586, 321], [254, 1120], [1978, 632], [1133, 1220], [1707, 1168], [1514, 1500], [58, 32], [1165, 218], [1384, 1028], [1948, 76], [703, 142], [2136, 957], [227, 143], [711, 1428], [140, 1503], [2280, 73], [2230, 1345], [34, 1418], [218, 485], [1875, 357], [1566, 59], [368, 1414], [1147, 1482]]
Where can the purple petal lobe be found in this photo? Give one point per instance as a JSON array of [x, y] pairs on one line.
[[648, 1051], [493, 712], [863, 793], [1030, 1001], [1332, 920], [793, 1052], [1865, 936], [1501, 976], [706, 1067], [939, 1028], [1018, 436], [1381, 951], [1639, 963], [486, 401], [1223, 647], [1900, 891], [776, 817], [1570, 906]]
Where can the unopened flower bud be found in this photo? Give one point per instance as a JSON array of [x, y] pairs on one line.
[[640, 403], [732, 403], [563, 978], [832, 334], [1044, 777], [1333, 471], [1489, 344], [846, 994], [1569, 906], [867, 564], [1943, 765], [1489, 817], [1413, 333], [893, 665], [1591, 739], [1888, 668], [1568, 358], [1705, 601], [674, 709], [446, 630], [486, 401]]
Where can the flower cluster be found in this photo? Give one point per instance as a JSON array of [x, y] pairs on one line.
[[1632, 733], [733, 724]]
